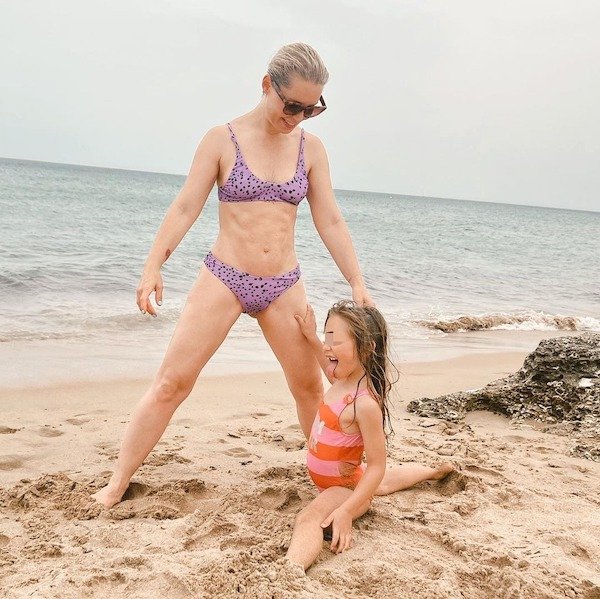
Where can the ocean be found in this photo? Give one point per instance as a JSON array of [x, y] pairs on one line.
[[450, 276]]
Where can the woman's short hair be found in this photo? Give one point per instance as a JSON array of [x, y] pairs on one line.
[[297, 59]]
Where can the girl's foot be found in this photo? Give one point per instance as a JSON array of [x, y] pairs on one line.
[[443, 470]]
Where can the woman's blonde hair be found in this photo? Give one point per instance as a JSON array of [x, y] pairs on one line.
[[297, 59]]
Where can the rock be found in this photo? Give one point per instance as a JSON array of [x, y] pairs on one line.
[[559, 384]]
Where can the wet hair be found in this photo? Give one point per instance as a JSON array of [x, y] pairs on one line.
[[297, 59], [369, 331]]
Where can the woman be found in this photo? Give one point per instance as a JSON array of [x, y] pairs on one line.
[[264, 165]]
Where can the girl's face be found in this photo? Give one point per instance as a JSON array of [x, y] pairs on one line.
[[340, 349], [298, 92]]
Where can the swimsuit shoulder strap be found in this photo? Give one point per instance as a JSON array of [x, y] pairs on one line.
[[348, 399], [234, 139], [301, 152]]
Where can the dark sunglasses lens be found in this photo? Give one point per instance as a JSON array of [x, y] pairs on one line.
[[292, 109], [313, 111]]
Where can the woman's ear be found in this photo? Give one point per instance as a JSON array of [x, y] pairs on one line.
[[266, 84]]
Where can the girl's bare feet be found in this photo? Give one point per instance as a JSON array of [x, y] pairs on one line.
[[443, 470]]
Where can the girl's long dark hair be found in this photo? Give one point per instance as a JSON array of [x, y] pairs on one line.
[[370, 333]]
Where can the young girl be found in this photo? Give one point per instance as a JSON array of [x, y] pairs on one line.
[[351, 421]]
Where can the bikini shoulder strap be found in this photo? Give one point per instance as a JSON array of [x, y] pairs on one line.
[[301, 152], [233, 138]]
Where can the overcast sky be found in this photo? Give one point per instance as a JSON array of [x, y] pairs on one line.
[[478, 100]]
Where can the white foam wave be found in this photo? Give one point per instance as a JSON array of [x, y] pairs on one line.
[[530, 321]]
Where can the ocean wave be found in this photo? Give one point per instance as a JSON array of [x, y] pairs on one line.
[[13, 336], [532, 321]]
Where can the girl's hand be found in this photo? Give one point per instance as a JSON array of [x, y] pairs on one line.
[[341, 524], [149, 282], [361, 296], [308, 325]]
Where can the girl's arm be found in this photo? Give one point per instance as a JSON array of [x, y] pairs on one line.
[[308, 326], [180, 216], [369, 420], [330, 223]]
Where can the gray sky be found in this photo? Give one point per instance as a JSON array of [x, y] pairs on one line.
[[479, 100]]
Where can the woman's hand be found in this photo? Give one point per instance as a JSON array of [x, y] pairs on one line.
[[151, 281], [341, 525], [361, 296], [308, 325]]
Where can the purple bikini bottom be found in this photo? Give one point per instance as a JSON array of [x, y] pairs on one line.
[[254, 293]]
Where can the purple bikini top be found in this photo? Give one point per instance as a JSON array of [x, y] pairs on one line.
[[243, 186]]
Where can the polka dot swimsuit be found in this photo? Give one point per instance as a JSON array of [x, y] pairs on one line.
[[243, 185], [256, 293]]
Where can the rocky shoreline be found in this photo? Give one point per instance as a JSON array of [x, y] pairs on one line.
[[558, 386]]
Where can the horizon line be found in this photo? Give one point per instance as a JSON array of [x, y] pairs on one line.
[[387, 193]]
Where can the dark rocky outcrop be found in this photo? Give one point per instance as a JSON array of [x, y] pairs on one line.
[[558, 384]]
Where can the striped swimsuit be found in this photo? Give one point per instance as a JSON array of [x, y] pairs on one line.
[[334, 457]]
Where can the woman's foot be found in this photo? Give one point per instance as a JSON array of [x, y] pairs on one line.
[[107, 496], [443, 470]]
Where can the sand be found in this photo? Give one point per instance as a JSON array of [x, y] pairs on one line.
[[210, 512]]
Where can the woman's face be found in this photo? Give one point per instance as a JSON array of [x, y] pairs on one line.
[[298, 91]]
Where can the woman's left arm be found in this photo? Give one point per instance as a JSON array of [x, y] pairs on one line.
[[370, 421], [330, 223]]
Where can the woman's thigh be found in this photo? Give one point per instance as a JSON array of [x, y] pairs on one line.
[[283, 334], [210, 311]]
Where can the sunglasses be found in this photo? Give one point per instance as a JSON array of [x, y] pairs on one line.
[[293, 108]]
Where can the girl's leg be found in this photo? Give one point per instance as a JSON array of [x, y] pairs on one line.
[[209, 313], [293, 352], [307, 536], [397, 478]]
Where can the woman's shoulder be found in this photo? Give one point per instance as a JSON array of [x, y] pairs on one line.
[[218, 133], [215, 140], [311, 140], [314, 149]]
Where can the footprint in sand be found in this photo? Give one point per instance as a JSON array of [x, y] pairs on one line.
[[237, 452], [487, 474], [6, 430], [168, 502], [279, 499], [294, 473], [135, 491], [216, 534], [454, 483], [78, 420], [48, 431], [161, 459], [11, 462]]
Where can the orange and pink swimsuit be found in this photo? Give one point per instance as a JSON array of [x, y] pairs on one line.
[[334, 457]]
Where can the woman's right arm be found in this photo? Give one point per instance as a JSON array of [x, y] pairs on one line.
[[180, 216]]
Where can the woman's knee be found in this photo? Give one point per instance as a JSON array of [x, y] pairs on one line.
[[307, 388], [171, 388]]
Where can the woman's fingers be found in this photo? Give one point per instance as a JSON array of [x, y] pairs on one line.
[[159, 293], [143, 301], [149, 283]]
